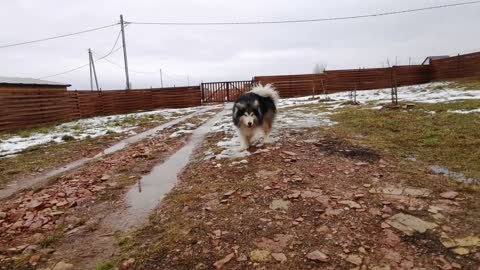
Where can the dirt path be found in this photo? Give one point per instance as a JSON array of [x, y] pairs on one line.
[[312, 201], [38, 180], [75, 206]]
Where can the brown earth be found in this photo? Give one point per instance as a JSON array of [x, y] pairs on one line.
[[70, 208], [314, 201]]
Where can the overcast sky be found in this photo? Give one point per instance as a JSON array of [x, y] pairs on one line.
[[217, 53]]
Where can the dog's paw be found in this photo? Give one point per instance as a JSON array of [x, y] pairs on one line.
[[267, 140], [243, 147]]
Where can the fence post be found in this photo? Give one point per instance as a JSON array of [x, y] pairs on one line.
[[228, 91], [202, 94], [313, 89]]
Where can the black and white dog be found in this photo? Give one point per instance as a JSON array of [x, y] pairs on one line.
[[255, 110]]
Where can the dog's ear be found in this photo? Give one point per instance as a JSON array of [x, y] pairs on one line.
[[256, 104], [240, 106]]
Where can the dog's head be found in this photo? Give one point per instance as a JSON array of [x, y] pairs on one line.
[[246, 114]]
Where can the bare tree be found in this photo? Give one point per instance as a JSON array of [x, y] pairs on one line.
[[319, 68]]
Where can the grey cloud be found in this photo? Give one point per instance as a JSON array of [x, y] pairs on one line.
[[225, 52]]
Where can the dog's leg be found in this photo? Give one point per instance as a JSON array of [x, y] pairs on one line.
[[245, 136], [267, 130]]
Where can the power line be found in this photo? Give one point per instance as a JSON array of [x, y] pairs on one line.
[[56, 37], [120, 65], [65, 72], [306, 20], [82, 66]]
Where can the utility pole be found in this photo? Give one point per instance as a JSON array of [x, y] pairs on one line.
[[90, 65], [161, 78], [125, 52], [92, 68]]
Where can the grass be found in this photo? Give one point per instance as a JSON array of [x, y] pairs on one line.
[[444, 138], [106, 265], [67, 138], [146, 120], [47, 156], [25, 133], [467, 84], [51, 239]]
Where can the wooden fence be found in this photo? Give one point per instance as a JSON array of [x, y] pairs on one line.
[[457, 67], [33, 107], [37, 107], [345, 80]]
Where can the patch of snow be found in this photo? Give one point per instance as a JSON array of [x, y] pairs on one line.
[[465, 111], [88, 127], [180, 133], [297, 118]]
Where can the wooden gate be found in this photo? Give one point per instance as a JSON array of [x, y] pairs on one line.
[[219, 92]]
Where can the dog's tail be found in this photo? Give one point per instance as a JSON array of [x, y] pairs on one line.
[[266, 91]]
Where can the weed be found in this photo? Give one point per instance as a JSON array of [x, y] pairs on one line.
[[51, 239], [76, 127], [67, 138], [106, 265]]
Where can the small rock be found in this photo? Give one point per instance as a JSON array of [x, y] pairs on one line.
[[300, 219], [219, 264], [351, 204], [279, 257], [447, 242], [246, 195], [409, 224], [461, 251], [258, 255], [217, 233], [322, 229], [229, 193], [128, 263], [289, 153], [3, 215], [34, 205], [449, 195], [46, 251], [279, 205], [62, 266], [469, 241], [416, 192], [317, 256], [34, 259], [242, 258], [354, 259], [31, 249], [384, 225], [105, 177]]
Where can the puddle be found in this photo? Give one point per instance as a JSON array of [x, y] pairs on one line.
[[42, 179], [460, 177], [150, 190]]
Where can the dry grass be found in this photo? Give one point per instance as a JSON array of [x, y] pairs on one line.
[[443, 138], [52, 155]]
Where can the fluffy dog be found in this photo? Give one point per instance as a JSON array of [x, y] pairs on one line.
[[255, 110]]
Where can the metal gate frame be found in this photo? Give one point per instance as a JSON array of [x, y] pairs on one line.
[[220, 92]]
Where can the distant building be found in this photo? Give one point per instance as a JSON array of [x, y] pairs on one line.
[[13, 83], [429, 59]]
